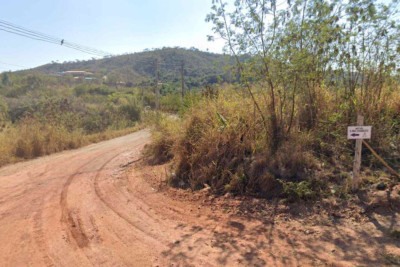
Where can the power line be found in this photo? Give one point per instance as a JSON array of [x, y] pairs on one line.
[[24, 35], [34, 37], [44, 37], [49, 41], [24, 32], [15, 65], [21, 29]]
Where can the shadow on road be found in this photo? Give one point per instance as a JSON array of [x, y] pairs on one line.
[[278, 238]]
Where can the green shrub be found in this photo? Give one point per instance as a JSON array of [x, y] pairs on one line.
[[131, 111], [305, 190], [171, 102]]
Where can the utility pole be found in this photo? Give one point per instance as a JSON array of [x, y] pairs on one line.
[[157, 68], [183, 78]]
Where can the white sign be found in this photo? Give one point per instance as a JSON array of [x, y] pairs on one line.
[[359, 132]]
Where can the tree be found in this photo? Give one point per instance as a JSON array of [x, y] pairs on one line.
[[368, 51], [295, 47], [5, 79], [250, 29]]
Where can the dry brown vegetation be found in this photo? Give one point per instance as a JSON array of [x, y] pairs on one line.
[[305, 71], [32, 139], [221, 142]]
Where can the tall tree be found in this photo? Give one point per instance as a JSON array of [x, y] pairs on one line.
[[298, 46]]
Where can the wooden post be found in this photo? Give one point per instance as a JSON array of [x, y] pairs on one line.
[[157, 81], [357, 157], [183, 78]]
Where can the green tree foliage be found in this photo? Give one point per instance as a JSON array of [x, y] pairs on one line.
[[296, 47], [5, 80]]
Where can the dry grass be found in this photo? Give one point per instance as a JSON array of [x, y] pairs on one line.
[[164, 134], [31, 139], [222, 142]]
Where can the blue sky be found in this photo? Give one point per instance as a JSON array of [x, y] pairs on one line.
[[117, 26]]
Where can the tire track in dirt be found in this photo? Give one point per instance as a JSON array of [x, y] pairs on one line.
[[29, 191], [39, 237], [77, 225], [127, 221], [142, 196], [111, 207], [51, 207], [36, 201], [70, 218], [143, 221], [23, 187], [28, 187], [38, 231]]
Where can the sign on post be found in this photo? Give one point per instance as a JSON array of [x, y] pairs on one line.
[[359, 132]]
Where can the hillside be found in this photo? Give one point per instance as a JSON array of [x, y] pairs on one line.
[[141, 68], [66, 105]]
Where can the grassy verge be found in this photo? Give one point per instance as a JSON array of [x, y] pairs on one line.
[[221, 142], [33, 139]]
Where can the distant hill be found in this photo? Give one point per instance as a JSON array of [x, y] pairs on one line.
[[199, 67]]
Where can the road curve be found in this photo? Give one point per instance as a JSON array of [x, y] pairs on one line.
[[87, 208], [83, 208], [57, 210]]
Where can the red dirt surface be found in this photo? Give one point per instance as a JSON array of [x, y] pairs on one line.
[[100, 206]]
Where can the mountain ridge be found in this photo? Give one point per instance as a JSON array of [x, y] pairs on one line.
[[141, 68]]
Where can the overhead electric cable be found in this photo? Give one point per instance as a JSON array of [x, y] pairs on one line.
[[15, 65], [39, 35], [21, 29], [25, 35], [34, 37], [50, 41], [24, 32]]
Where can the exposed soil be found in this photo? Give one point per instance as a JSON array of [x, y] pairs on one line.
[[101, 206]]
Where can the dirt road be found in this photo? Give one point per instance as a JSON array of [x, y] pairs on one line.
[[88, 207]]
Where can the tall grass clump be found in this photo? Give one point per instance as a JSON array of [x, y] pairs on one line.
[[222, 142], [35, 139], [7, 147], [164, 134]]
